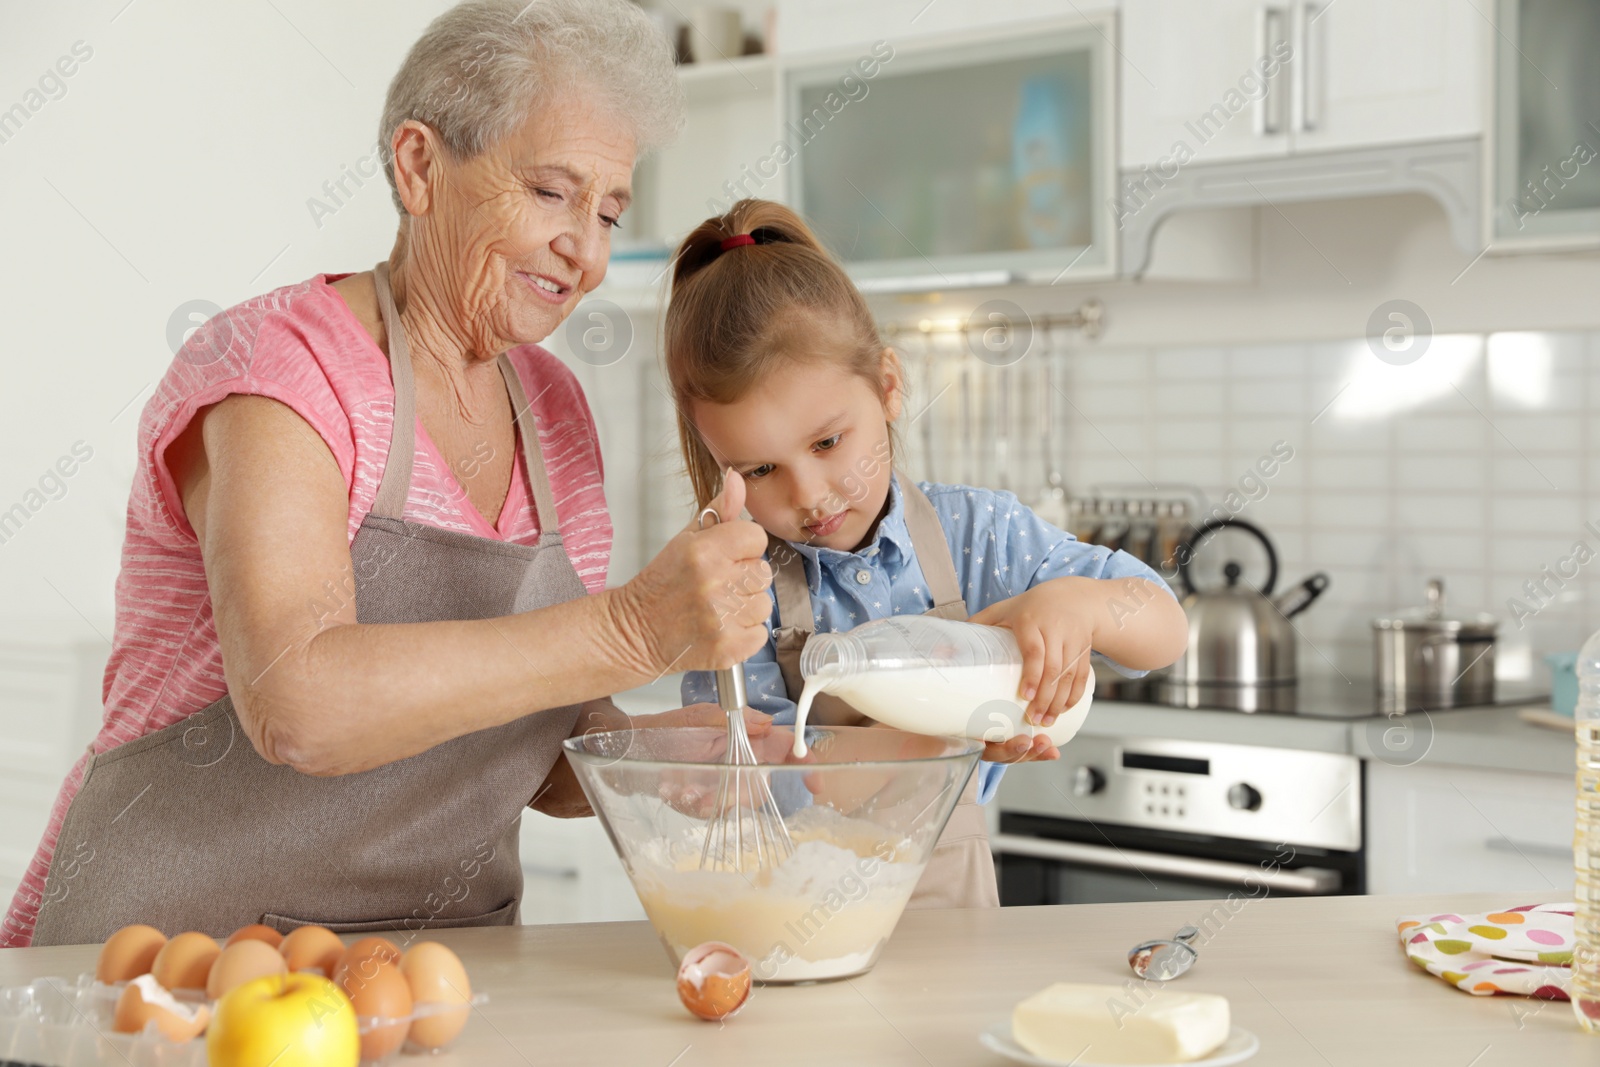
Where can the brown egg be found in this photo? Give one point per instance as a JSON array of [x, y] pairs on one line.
[[128, 953], [368, 947], [255, 932], [714, 981], [436, 976], [312, 948], [378, 990], [185, 961], [239, 963], [144, 1001]]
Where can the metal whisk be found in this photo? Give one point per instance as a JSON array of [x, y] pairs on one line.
[[747, 832]]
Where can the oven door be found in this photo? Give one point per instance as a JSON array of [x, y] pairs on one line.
[[1043, 860]]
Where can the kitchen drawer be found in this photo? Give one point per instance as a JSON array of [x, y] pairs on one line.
[[1441, 829]]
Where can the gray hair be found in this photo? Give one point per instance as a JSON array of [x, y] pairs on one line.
[[481, 67]]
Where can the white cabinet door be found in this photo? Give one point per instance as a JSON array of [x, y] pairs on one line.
[[1436, 829], [1191, 81], [1373, 72]]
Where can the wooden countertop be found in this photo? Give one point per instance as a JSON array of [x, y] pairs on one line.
[[1320, 981]]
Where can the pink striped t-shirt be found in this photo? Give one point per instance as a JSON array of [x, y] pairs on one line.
[[302, 346]]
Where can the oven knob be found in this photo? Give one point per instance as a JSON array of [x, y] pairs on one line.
[[1087, 781], [1244, 797]]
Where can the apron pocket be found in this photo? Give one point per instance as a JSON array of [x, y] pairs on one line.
[[505, 915]]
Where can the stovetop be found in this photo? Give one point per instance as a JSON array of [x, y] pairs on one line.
[[1318, 696]]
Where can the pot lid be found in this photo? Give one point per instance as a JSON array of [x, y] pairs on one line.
[[1432, 618]]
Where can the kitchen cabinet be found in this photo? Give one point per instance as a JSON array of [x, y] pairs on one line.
[[1240, 79], [1192, 83], [1374, 72], [1444, 829], [972, 160], [1545, 146]]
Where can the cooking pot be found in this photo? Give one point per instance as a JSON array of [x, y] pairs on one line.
[[1238, 635], [1428, 658]]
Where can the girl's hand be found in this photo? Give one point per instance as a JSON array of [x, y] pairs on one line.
[[1054, 624], [1021, 749]]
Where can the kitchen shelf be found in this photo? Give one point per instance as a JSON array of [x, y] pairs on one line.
[[745, 75]]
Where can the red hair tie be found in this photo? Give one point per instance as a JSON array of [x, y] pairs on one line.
[[737, 241]]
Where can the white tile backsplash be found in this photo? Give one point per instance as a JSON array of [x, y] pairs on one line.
[[1482, 481], [1191, 363], [1432, 473], [1531, 432]]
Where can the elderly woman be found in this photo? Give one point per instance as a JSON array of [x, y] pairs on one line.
[[362, 591]]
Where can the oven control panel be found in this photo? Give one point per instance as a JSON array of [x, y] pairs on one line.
[[1240, 791]]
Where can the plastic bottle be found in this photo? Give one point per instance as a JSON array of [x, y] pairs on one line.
[[928, 675], [1586, 842]]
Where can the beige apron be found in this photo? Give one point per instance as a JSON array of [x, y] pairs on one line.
[[961, 873], [189, 828]]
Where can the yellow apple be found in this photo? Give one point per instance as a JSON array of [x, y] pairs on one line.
[[285, 1020]]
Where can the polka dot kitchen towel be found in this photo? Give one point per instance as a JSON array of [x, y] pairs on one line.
[[1524, 951]]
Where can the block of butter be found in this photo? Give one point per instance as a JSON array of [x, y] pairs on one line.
[[1116, 1024]]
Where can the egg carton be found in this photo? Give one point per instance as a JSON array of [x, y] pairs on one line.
[[62, 1022]]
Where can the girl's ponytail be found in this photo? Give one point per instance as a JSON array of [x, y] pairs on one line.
[[749, 288]]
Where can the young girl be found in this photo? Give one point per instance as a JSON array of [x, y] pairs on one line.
[[780, 379]]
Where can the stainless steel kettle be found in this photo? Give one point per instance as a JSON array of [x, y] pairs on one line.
[[1238, 635]]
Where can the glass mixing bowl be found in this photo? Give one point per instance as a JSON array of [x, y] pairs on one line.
[[864, 808]]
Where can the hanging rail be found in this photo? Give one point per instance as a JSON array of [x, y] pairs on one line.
[[1089, 318]]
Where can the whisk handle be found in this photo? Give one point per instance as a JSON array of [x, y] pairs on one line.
[[730, 689], [730, 682]]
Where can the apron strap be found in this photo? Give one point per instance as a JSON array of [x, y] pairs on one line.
[[933, 554], [790, 585], [532, 454], [396, 483]]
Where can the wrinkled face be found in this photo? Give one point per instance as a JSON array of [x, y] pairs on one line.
[[523, 230], [812, 443]]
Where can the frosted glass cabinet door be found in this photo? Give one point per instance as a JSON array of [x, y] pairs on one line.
[[994, 155], [1546, 162]]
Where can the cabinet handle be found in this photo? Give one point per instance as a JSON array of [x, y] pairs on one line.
[[1527, 848], [1307, 88], [1269, 31]]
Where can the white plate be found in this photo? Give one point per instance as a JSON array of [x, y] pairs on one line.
[[1240, 1046]]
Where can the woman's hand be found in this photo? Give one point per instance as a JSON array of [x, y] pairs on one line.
[[1054, 624], [702, 603]]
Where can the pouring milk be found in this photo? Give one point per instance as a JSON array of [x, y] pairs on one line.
[[928, 675]]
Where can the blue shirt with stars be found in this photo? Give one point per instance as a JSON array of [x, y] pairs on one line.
[[1000, 548]]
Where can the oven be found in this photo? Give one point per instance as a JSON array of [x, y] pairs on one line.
[[1125, 818]]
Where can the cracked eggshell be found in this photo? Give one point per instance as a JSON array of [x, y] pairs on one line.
[[144, 1001], [714, 981]]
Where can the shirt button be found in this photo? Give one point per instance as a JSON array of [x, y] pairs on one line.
[[863, 577]]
